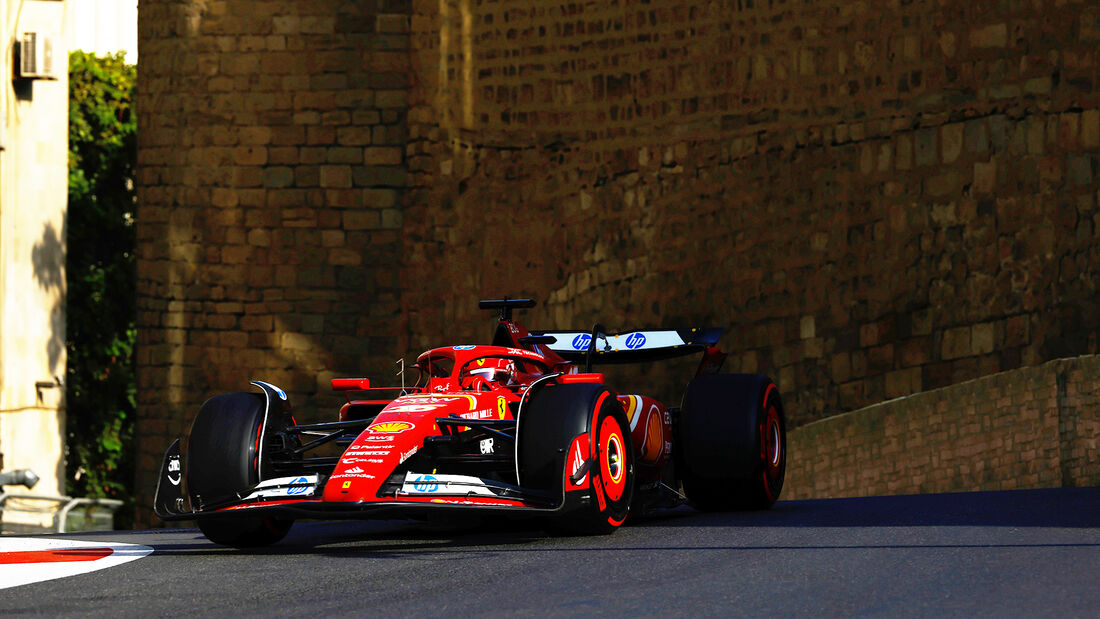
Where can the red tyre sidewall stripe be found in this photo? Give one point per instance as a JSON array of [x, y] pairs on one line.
[[594, 430], [771, 416], [256, 450]]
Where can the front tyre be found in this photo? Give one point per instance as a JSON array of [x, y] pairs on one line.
[[565, 427], [733, 442], [223, 462]]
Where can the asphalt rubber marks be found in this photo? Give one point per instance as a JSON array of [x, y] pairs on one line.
[[24, 560]]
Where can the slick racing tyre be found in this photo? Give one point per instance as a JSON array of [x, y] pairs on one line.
[[733, 442], [222, 462], [556, 422]]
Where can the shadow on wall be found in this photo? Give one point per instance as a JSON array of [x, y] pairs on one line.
[[48, 262]]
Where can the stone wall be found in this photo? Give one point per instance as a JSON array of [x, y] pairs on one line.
[[271, 172], [878, 198], [1036, 427]]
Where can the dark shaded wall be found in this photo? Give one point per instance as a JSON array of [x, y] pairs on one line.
[[272, 138], [877, 198]]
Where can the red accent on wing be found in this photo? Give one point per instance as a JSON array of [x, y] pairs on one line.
[[569, 379], [350, 384]]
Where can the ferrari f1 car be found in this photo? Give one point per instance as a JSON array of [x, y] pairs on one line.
[[521, 427]]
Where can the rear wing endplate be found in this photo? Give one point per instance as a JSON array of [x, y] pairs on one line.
[[632, 346]]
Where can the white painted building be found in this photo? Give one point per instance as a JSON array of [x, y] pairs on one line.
[[33, 196]]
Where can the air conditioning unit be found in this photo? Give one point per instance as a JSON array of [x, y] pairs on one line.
[[35, 59]]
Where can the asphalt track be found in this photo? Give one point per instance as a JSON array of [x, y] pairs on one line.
[[1033, 553]]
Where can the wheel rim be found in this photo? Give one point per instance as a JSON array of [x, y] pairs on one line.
[[612, 459], [774, 448], [771, 439]]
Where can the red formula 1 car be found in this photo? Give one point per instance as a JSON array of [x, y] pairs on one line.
[[521, 427]]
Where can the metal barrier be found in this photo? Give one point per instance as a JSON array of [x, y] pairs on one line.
[[64, 505]]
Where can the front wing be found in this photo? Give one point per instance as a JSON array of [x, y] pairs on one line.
[[419, 495]]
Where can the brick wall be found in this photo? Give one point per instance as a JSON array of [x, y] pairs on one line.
[[1036, 427], [271, 170], [878, 198]]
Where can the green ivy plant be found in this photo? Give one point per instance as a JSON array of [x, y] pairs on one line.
[[100, 275]]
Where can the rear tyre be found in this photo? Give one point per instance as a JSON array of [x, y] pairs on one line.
[[549, 424], [733, 442], [223, 462]]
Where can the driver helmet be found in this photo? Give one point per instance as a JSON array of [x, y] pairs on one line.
[[494, 370]]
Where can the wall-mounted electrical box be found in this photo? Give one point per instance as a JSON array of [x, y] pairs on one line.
[[34, 57]]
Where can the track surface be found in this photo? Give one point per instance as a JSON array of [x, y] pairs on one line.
[[1022, 553]]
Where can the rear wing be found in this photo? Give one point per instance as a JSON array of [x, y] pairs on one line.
[[631, 346]]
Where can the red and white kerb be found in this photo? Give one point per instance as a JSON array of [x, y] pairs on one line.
[[28, 560]]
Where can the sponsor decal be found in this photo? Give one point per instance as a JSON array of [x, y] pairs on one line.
[[347, 484], [485, 413], [299, 485], [425, 483], [380, 438], [390, 427], [424, 403], [465, 347], [355, 469], [174, 467], [411, 408], [367, 450], [513, 328], [502, 406], [653, 436], [358, 460], [363, 460], [445, 485], [352, 476], [408, 454], [576, 460], [599, 494], [635, 340], [581, 341], [486, 445], [278, 391], [285, 486]]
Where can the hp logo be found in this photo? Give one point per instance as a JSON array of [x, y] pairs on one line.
[[299, 485], [636, 340], [425, 483], [581, 341]]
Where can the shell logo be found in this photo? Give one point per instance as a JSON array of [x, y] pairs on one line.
[[391, 427]]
